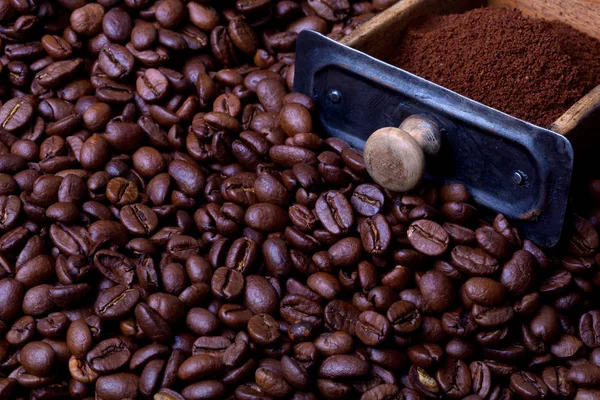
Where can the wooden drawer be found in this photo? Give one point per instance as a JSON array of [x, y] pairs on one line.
[[580, 124]]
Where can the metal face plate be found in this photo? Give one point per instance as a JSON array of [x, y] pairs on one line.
[[510, 166]]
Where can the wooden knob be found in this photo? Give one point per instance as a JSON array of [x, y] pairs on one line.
[[395, 157]]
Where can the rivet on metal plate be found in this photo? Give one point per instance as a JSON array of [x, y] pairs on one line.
[[519, 178], [334, 96]]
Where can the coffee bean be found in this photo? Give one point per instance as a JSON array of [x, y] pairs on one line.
[[545, 324], [484, 291], [555, 377], [117, 386], [367, 200], [108, 356], [58, 73], [199, 367], [260, 296], [345, 252], [372, 328], [271, 383], [116, 302], [15, 113], [266, 217], [87, 20], [116, 61], [340, 315], [528, 385], [405, 317], [343, 366], [454, 378], [584, 375], [139, 219], [437, 290], [263, 329], [114, 266], [227, 283], [428, 237], [589, 324], [518, 273], [38, 358], [297, 308], [376, 234], [474, 262], [57, 47], [205, 389], [288, 156], [423, 382], [152, 85], [117, 25], [121, 191]]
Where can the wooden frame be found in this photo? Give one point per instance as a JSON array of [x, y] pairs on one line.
[[375, 37]]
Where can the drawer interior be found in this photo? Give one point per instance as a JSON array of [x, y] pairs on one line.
[[379, 36]]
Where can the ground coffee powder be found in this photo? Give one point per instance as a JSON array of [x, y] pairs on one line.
[[526, 67]]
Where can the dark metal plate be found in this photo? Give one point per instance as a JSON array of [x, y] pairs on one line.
[[510, 166]]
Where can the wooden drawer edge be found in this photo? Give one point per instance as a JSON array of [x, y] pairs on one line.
[[574, 115]]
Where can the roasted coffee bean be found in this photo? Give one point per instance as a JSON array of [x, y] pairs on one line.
[[15, 113], [528, 385], [367, 199], [555, 377], [343, 366], [152, 324], [376, 234], [116, 302], [518, 274], [428, 237], [340, 315], [260, 296], [545, 323], [38, 358], [108, 356], [484, 291], [297, 308], [405, 317], [437, 290], [422, 382], [372, 328], [454, 378], [199, 367], [117, 386], [227, 284], [121, 191], [115, 266], [139, 219], [334, 212], [263, 329], [425, 355], [589, 324], [265, 217], [474, 262]]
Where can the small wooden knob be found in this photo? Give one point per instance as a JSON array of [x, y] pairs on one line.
[[395, 157]]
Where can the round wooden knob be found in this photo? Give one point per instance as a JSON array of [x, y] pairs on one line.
[[395, 157]]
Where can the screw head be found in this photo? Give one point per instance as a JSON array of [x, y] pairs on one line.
[[334, 96], [519, 177]]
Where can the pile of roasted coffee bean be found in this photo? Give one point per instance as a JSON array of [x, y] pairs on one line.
[[173, 227]]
